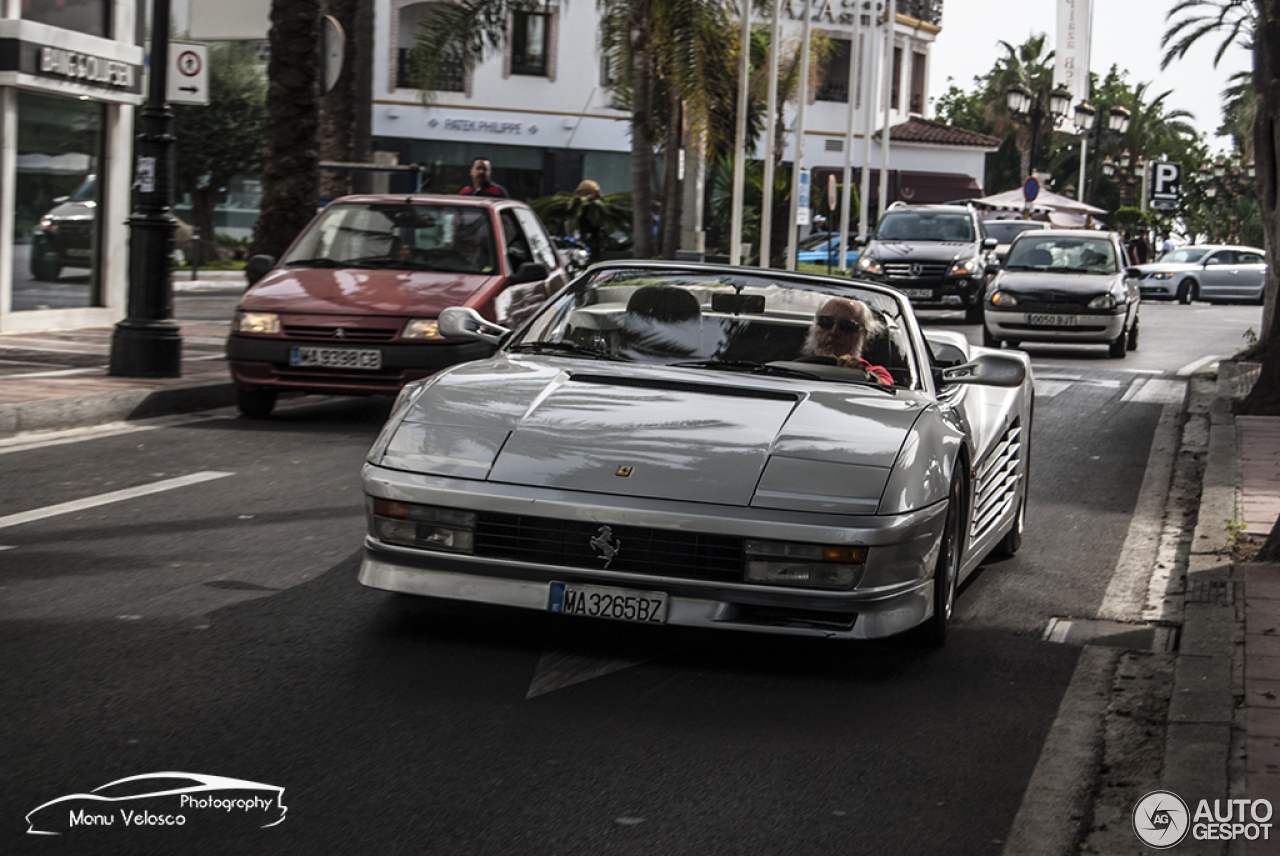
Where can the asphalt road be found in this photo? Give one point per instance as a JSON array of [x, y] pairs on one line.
[[216, 627]]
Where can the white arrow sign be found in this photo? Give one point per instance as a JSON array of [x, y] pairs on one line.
[[188, 79]]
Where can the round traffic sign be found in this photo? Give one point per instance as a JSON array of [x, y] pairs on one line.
[[1031, 189], [189, 63]]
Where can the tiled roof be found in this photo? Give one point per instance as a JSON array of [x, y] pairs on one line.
[[917, 130]]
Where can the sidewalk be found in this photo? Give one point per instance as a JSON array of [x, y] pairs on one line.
[[51, 381]]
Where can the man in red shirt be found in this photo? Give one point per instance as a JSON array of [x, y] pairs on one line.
[[480, 184]]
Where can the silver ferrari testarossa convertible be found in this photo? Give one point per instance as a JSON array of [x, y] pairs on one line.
[[664, 443]]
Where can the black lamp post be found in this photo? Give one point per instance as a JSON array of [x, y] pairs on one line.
[[1117, 122], [148, 343], [1227, 182], [1023, 103]]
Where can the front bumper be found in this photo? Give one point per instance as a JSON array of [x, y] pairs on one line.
[[260, 362], [893, 594], [1158, 289], [951, 293], [1091, 327]]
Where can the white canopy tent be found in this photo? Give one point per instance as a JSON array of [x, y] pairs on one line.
[[1062, 211]]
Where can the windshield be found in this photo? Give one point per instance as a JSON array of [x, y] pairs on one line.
[[84, 193], [1005, 231], [718, 321], [1057, 253], [1185, 256], [924, 226], [448, 238]]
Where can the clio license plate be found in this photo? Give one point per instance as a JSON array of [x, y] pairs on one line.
[[335, 358], [619, 604], [1051, 320]]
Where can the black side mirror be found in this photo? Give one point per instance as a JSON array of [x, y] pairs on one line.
[[987, 370], [1133, 273], [528, 272], [258, 267]]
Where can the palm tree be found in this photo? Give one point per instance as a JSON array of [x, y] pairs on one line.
[[291, 158], [1254, 24], [1029, 65]]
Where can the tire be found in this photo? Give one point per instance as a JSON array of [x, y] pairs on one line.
[[46, 267], [255, 403], [989, 341], [1188, 291], [1116, 348], [1132, 342], [946, 573], [973, 313], [1013, 343], [1009, 544]]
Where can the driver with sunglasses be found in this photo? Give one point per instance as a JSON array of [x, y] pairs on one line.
[[838, 332]]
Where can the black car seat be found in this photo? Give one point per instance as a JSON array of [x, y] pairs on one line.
[[657, 323]]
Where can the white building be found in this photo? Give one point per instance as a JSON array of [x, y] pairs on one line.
[[69, 80]]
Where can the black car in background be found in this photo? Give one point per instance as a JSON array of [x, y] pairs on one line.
[[65, 235], [940, 256]]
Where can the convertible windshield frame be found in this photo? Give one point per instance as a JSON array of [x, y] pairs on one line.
[[711, 320]]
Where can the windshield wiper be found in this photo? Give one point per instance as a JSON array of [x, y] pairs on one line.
[[565, 347], [322, 263], [745, 366]]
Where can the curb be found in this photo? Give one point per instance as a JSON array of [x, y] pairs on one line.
[[56, 414], [1204, 731]]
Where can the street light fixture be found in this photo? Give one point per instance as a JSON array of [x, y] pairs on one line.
[[1086, 120], [1022, 103]]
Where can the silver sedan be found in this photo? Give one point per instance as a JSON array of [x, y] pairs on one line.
[[1211, 272]]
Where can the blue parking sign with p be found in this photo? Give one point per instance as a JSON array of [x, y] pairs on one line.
[[1166, 184]]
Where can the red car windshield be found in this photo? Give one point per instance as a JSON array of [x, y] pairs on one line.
[[446, 238]]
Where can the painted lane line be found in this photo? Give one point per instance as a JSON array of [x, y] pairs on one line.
[[106, 498], [1127, 592], [556, 671]]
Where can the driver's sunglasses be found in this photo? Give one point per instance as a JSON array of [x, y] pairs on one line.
[[826, 322]]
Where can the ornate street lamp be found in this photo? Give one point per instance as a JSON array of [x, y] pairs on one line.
[[1022, 103]]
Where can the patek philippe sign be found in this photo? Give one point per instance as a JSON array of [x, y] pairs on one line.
[[479, 126], [1075, 19]]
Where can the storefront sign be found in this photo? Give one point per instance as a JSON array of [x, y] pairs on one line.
[[472, 126], [823, 11], [70, 66]]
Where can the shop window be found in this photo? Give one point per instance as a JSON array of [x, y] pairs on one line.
[[57, 200], [529, 43], [83, 16], [835, 78]]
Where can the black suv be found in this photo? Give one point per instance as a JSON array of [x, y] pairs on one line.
[[940, 256], [65, 236]]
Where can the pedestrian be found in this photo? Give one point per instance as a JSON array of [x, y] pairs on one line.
[[1141, 249], [1166, 243], [481, 185]]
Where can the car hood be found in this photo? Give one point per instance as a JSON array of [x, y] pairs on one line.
[[651, 431], [921, 251], [72, 211], [364, 292], [1040, 282]]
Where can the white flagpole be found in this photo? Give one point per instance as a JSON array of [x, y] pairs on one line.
[[802, 98], [888, 89], [870, 75], [846, 198], [740, 142], [766, 204]]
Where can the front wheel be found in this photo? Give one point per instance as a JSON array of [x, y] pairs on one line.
[[45, 267], [1188, 291], [255, 403], [973, 313], [989, 341], [946, 572], [1132, 343], [1116, 348]]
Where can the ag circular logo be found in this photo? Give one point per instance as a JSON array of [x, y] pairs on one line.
[[1161, 819]]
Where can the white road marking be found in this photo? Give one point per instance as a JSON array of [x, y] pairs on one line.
[[1127, 593], [1050, 388], [28, 440], [106, 498], [1191, 368], [556, 671], [1162, 390], [57, 373]]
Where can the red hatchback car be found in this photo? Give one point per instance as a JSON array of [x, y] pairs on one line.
[[351, 308]]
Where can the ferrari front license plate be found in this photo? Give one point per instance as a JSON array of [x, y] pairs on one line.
[[335, 358], [919, 293], [645, 607], [1052, 320]]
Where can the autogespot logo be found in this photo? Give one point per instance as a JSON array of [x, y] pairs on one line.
[[1160, 819]]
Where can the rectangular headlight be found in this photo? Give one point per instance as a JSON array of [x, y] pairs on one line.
[[422, 328], [827, 566], [425, 526], [262, 323]]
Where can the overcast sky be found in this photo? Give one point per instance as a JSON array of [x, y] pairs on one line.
[[1125, 33]]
